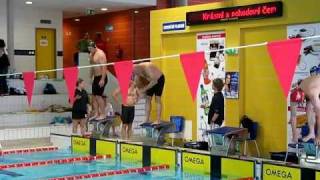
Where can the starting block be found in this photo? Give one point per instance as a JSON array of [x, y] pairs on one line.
[[102, 127], [157, 131]]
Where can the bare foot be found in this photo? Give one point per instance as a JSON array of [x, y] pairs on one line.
[[100, 118], [317, 141], [307, 138]]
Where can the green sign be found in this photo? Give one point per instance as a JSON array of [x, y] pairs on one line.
[[90, 11]]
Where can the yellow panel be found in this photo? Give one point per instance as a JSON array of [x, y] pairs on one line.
[[163, 156], [317, 175], [263, 99], [131, 153], [274, 172], [106, 148], [80, 145], [196, 163], [45, 51], [176, 96], [237, 168]]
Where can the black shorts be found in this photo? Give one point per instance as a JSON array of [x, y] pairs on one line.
[[96, 89], [127, 114], [78, 115], [157, 89]]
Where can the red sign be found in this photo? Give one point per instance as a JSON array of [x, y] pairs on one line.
[[210, 36], [254, 11]]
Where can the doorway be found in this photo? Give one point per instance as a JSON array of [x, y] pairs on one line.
[[46, 52]]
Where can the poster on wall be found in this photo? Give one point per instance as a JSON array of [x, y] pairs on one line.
[[214, 68], [309, 64], [231, 87]]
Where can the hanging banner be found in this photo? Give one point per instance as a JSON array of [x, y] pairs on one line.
[[284, 55], [192, 65], [308, 64], [124, 72], [71, 77], [28, 79], [214, 67]]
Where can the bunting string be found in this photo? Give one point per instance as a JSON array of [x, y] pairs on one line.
[[156, 58]]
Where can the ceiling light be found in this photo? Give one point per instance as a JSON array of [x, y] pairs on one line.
[[77, 20], [28, 2], [136, 11], [104, 9]]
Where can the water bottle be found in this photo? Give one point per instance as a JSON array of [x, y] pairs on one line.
[[109, 110], [204, 99]]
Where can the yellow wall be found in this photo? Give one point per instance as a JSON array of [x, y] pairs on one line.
[[257, 77]]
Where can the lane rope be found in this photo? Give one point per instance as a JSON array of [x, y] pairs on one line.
[[28, 150], [158, 58], [114, 172], [54, 161]]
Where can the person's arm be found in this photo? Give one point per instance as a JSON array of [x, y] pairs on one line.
[[115, 95], [152, 81], [88, 103], [77, 95], [216, 109], [136, 91], [103, 60]]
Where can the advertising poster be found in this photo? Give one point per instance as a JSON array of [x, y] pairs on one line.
[[214, 68], [309, 64], [231, 87]]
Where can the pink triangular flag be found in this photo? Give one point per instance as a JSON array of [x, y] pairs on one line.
[[285, 56], [71, 77], [28, 79], [123, 71], [193, 64]]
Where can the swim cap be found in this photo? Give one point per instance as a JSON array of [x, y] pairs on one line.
[[313, 70], [92, 44], [318, 69]]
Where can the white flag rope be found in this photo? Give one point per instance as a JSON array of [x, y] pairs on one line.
[[157, 58]]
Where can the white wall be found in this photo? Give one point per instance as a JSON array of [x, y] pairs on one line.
[[3, 19], [25, 21]]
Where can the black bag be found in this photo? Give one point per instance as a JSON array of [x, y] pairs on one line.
[[280, 156], [49, 89], [199, 145], [246, 122]]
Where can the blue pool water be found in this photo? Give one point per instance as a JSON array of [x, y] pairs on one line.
[[39, 156], [60, 170], [45, 172]]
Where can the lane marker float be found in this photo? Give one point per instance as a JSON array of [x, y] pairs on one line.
[[54, 161], [114, 172], [28, 150]]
